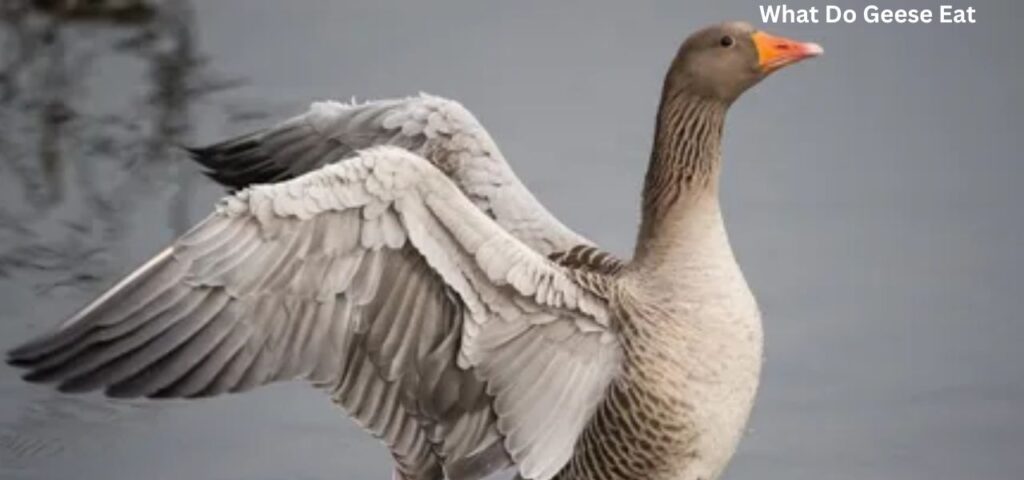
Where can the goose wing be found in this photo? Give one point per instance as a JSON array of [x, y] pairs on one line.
[[377, 279], [440, 130]]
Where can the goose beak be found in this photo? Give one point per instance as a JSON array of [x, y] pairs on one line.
[[776, 52]]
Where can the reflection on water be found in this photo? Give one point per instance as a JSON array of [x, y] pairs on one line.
[[58, 153], [96, 99], [47, 427]]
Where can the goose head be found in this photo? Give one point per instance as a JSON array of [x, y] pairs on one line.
[[723, 61]]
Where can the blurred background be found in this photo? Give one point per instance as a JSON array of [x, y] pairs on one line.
[[873, 197]]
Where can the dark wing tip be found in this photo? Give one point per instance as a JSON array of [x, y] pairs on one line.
[[14, 357], [205, 156], [238, 162], [17, 361], [195, 152], [28, 353], [38, 376], [33, 356]]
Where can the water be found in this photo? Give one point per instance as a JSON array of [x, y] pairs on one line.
[[872, 197]]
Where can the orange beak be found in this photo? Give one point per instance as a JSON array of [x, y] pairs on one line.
[[776, 52]]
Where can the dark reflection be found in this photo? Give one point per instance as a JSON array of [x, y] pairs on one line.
[[96, 98], [115, 11], [63, 155]]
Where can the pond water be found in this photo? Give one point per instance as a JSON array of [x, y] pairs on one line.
[[873, 197]]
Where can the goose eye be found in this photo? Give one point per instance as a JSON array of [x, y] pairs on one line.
[[727, 41]]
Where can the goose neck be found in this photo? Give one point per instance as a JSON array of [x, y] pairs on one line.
[[680, 196]]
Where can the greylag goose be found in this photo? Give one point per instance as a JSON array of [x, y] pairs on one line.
[[387, 253]]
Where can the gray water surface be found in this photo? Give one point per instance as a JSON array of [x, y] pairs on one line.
[[873, 197]]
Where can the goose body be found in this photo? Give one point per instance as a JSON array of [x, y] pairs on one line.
[[691, 344], [387, 253]]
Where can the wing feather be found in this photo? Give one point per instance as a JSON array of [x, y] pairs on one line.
[[440, 130], [458, 345]]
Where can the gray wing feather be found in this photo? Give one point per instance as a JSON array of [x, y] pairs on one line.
[[376, 279], [440, 130]]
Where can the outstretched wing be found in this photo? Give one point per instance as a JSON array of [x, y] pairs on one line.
[[456, 344], [440, 130]]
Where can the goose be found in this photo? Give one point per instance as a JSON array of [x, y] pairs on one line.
[[386, 252]]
